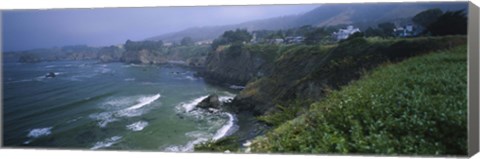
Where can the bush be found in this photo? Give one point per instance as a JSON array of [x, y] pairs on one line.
[[418, 106], [229, 143]]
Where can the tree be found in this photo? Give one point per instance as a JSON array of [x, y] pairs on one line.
[[187, 41], [369, 32], [239, 35], [387, 28], [315, 36], [229, 37], [450, 23], [427, 17]]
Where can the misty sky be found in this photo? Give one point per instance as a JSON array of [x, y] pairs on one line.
[[29, 29]]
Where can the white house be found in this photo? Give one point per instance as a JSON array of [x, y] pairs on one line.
[[404, 31], [167, 44], [294, 39], [345, 33], [204, 42]]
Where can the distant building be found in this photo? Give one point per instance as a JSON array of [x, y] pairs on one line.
[[203, 42], [276, 41], [167, 44], [345, 33], [294, 39], [405, 31], [254, 38]]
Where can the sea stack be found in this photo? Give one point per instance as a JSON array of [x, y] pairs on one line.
[[211, 101]]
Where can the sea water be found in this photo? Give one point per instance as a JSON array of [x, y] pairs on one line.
[[90, 105]]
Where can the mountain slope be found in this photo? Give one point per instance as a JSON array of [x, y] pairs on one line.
[[362, 15]]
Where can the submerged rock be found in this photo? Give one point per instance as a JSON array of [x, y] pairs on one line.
[[210, 102], [50, 75]]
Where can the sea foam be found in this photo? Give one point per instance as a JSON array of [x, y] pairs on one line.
[[144, 101], [191, 104], [225, 129], [107, 143], [137, 126], [120, 111], [39, 132]]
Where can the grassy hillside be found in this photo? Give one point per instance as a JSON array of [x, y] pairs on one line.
[[418, 106], [306, 72]]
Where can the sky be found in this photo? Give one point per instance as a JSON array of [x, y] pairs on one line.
[[31, 29]]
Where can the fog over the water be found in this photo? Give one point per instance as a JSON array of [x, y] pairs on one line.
[[30, 29]]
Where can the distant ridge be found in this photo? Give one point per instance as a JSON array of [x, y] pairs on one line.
[[362, 15]]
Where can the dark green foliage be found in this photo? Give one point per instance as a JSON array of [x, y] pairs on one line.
[[427, 17], [316, 36], [235, 50], [386, 28], [290, 111], [369, 32], [304, 72], [239, 35], [450, 23], [229, 143], [229, 37], [418, 106], [187, 41], [353, 36]]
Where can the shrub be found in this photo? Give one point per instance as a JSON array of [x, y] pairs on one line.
[[418, 106]]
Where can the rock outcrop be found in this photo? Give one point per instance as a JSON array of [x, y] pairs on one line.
[[211, 101], [236, 65]]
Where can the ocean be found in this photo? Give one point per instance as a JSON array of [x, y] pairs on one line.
[[90, 105]]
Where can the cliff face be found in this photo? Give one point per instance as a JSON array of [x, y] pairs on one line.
[[239, 64], [308, 72]]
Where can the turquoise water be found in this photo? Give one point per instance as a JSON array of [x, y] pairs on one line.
[[108, 106]]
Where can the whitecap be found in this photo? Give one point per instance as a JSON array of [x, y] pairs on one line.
[[104, 117], [103, 70], [237, 87], [39, 132], [107, 143], [19, 81], [191, 104], [144, 101], [121, 109], [226, 129], [187, 147], [129, 79], [190, 78], [137, 126], [224, 99]]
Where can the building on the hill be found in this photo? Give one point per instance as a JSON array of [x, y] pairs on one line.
[[294, 39], [405, 31], [345, 33]]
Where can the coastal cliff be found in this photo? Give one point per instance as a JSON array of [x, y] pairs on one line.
[[238, 64], [307, 73]]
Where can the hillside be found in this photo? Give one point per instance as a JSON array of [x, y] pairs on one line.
[[361, 15], [300, 75], [306, 72], [418, 106]]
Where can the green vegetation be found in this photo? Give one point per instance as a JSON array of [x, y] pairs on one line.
[[285, 113], [187, 41], [232, 37], [427, 17], [450, 23], [417, 106], [306, 72], [228, 143]]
